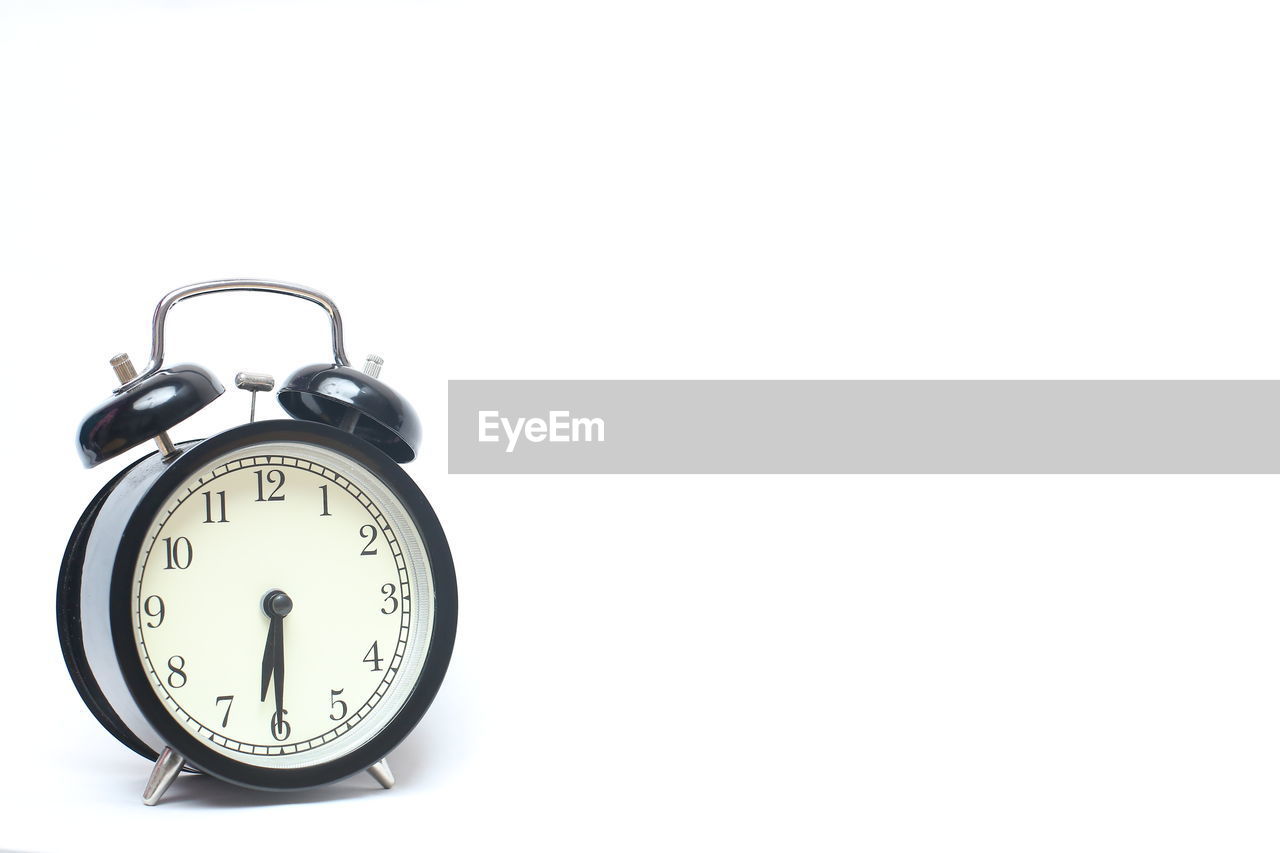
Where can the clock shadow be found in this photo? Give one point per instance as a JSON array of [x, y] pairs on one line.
[[196, 789], [415, 764], [423, 759]]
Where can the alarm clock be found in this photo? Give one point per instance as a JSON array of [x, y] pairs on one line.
[[275, 605]]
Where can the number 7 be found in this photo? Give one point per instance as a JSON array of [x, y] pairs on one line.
[[227, 715]]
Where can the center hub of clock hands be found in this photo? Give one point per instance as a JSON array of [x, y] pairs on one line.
[[276, 604]]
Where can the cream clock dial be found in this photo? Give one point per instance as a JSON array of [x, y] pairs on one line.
[[306, 527]]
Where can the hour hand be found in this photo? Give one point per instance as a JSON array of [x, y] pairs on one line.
[[269, 656]]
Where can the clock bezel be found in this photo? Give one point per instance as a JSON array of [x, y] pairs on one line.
[[439, 647]]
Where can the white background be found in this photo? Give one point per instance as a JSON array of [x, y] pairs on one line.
[[706, 190]]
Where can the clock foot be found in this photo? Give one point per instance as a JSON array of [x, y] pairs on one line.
[[167, 768], [382, 772]]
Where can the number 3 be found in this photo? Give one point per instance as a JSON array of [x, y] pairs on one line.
[[389, 590]]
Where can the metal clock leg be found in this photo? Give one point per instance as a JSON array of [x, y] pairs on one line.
[[167, 768], [382, 772]]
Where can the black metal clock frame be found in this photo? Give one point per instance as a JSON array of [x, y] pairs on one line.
[[197, 753]]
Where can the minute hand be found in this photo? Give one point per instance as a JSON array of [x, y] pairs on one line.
[[279, 656]]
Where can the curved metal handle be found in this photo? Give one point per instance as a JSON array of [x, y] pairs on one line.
[[262, 286]]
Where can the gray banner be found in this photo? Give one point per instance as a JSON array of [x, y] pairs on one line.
[[863, 427]]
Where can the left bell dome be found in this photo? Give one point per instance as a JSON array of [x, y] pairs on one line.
[[156, 404]]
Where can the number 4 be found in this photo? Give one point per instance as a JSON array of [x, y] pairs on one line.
[[371, 656]]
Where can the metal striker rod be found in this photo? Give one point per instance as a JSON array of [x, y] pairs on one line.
[[125, 372], [253, 383]]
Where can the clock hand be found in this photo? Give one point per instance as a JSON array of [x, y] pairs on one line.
[[276, 605], [279, 658], [268, 657]]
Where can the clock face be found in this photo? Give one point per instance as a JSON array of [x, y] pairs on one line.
[[282, 605]]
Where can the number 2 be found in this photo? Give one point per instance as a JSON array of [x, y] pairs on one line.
[[372, 535]]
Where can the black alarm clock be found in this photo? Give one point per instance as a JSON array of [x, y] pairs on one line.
[[275, 605]]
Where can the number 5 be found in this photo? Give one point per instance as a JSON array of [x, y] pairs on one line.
[[334, 702]]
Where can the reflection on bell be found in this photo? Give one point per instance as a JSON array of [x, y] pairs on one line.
[[145, 411], [354, 401]]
